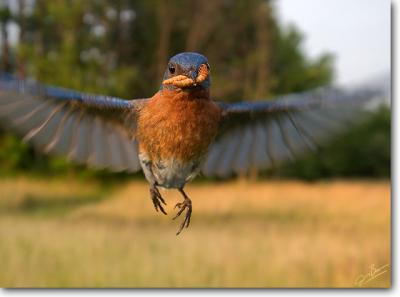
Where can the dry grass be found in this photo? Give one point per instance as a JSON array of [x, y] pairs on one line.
[[243, 234]]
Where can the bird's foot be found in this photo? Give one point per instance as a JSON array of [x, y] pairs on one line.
[[157, 199], [186, 204]]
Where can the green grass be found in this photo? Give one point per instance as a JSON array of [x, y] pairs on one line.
[[61, 233]]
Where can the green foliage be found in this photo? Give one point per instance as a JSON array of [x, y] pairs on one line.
[[121, 47], [13, 153], [293, 70], [5, 15]]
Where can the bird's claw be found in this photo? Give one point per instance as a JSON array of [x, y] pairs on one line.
[[187, 204], [157, 200]]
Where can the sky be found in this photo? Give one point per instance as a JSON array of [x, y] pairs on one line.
[[357, 32]]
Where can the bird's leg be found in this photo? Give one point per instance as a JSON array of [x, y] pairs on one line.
[[186, 204], [157, 199]]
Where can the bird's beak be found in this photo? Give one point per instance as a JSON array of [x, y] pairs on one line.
[[183, 81]]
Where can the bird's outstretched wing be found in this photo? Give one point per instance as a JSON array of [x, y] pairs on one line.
[[92, 129], [260, 134]]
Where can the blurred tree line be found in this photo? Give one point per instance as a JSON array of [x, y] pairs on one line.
[[121, 47]]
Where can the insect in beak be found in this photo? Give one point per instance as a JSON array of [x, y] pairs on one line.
[[182, 81]]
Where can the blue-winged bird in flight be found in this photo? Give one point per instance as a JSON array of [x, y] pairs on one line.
[[178, 132]]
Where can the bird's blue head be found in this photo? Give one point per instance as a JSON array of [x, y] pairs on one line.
[[187, 71]]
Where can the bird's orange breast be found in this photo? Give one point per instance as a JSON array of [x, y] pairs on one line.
[[177, 125]]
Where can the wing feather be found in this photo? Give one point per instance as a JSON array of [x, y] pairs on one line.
[[225, 163], [114, 150], [243, 154], [98, 154], [259, 156], [92, 129], [58, 132], [263, 134]]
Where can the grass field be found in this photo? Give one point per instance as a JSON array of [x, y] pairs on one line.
[[63, 233]]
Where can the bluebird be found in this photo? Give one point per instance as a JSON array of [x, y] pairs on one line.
[[178, 132]]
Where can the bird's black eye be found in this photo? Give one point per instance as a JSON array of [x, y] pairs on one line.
[[171, 69], [208, 66]]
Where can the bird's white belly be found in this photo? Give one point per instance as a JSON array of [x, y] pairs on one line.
[[169, 173]]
